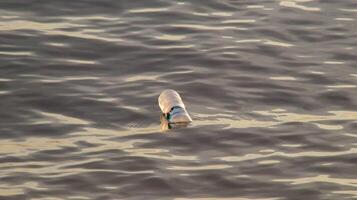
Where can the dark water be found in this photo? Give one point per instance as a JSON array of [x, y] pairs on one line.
[[271, 87]]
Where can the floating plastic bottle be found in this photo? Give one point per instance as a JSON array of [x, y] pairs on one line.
[[173, 108]]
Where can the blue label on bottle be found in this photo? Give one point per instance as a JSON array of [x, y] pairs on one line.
[[174, 111]]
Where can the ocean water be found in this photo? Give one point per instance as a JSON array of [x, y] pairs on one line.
[[271, 86]]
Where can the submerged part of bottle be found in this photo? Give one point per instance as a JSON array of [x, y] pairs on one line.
[[173, 108], [165, 125]]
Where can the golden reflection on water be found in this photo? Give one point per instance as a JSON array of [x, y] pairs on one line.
[[146, 10], [74, 197], [267, 151], [268, 162], [200, 14], [316, 72], [255, 6], [350, 135], [297, 4], [295, 117], [48, 79], [170, 37], [227, 198], [102, 137], [142, 78], [320, 178], [347, 192], [278, 117], [331, 62], [222, 14], [175, 46], [92, 17], [291, 145], [59, 118], [238, 21], [200, 167], [10, 190], [283, 78], [289, 155], [206, 27], [56, 44], [5, 92], [77, 61], [55, 29], [348, 10], [267, 42], [277, 43], [17, 53], [23, 24], [232, 123], [248, 41], [329, 127], [344, 19], [65, 168], [341, 86]]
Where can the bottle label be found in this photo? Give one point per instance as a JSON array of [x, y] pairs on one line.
[[175, 110]]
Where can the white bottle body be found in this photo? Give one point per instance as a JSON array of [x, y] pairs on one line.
[[172, 106]]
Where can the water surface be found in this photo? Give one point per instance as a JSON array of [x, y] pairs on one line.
[[271, 87]]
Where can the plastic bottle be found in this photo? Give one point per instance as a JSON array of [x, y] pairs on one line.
[[173, 108]]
